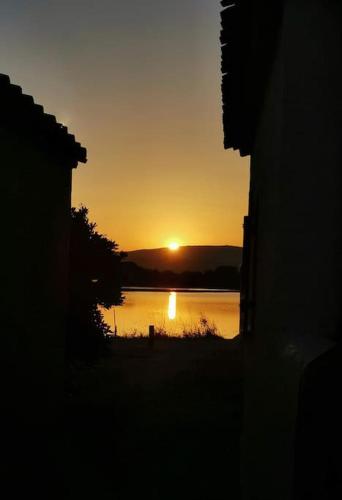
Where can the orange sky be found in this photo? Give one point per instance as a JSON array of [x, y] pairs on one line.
[[138, 83]]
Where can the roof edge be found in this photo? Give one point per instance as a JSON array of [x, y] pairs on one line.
[[20, 111]]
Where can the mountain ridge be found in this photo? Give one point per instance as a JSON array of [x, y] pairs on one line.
[[187, 258]]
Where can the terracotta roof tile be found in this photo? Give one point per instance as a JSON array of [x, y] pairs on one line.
[[249, 37], [20, 112]]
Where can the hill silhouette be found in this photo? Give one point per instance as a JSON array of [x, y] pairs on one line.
[[187, 258]]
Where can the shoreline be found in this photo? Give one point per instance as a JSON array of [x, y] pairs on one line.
[[177, 289]]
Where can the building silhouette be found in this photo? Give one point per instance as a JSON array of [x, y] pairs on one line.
[[282, 105], [37, 158]]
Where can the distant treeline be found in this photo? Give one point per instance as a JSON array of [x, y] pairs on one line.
[[224, 277]]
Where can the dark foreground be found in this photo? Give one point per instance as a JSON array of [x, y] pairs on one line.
[[160, 423]]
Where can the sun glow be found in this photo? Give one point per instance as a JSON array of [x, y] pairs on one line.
[[173, 246]]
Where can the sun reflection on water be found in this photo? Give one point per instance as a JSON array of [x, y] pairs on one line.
[[172, 305]]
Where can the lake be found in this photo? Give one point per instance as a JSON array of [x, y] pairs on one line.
[[175, 311]]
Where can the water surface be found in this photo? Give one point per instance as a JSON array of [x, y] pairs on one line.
[[176, 311]]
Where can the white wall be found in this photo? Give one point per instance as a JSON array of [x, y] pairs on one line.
[[296, 180]]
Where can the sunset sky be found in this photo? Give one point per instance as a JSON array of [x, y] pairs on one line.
[[138, 83]]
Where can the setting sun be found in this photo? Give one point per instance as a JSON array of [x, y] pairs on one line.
[[173, 246]]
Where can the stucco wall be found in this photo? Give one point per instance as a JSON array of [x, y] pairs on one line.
[[296, 185], [35, 214]]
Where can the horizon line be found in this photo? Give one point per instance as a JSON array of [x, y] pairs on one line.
[[180, 246]]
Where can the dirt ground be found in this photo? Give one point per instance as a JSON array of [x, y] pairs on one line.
[[161, 422]]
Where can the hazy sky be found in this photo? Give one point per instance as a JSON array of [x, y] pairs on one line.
[[138, 83]]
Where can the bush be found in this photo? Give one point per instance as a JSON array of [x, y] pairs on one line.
[[95, 280]]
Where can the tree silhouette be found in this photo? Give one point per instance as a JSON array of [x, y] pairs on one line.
[[95, 280]]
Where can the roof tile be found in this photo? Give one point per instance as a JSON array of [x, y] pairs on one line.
[[19, 111]]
